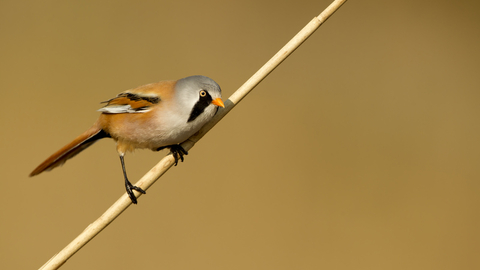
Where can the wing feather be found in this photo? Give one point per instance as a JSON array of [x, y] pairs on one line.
[[128, 102]]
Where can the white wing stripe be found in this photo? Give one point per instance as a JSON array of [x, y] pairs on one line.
[[122, 109]]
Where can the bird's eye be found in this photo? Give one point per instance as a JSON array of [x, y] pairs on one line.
[[203, 93]]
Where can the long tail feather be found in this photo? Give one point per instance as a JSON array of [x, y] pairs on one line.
[[70, 150]]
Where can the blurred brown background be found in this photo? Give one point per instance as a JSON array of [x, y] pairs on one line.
[[360, 151]]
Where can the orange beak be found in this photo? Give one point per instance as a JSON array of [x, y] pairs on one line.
[[218, 102]]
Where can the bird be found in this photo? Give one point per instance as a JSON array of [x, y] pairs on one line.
[[153, 116]]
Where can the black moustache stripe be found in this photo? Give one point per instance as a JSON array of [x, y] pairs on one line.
[[200, 106]]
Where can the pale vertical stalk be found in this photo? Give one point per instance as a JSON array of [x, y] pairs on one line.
[[158, 170]]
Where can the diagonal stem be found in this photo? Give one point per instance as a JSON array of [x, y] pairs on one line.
[[158, 170]]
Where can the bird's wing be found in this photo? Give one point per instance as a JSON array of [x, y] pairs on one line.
[[129, 102]]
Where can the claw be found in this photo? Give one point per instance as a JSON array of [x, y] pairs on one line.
[[129, 187], [177, 152]]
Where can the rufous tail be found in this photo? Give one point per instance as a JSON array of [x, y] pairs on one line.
[[70, 150]]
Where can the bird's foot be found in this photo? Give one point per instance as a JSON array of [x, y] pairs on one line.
[[129, 187], [177, 152]]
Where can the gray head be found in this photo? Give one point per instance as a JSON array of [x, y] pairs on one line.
[[199, 94], [199, 82]]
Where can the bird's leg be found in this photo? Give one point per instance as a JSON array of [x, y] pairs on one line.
[[176, 150], [128, 186]]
